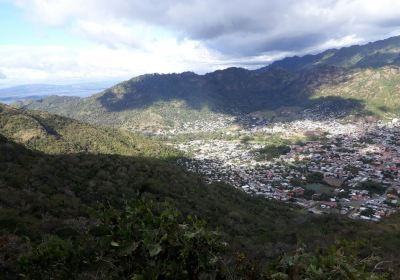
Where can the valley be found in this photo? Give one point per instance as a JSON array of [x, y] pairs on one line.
[[319, 131], [287, 172]]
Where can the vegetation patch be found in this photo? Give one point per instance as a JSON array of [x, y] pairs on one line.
[[271, 151]]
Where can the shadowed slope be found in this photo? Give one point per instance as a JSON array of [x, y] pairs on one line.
[[168, 101], [52, 208]]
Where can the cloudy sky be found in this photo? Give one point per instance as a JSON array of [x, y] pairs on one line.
[[63, 41]]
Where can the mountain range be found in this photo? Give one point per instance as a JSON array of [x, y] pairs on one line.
[[372, 55], [354, 80]]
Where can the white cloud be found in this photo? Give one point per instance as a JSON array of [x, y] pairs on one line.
[[36, 64], [251, 27], [112, 33], [135, 37], [337, 43], [2, 75]]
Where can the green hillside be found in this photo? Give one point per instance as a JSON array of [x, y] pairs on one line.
[[57, 135], [378, 88], [112, 213]]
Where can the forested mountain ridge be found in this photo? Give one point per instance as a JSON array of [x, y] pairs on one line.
[[335, 78], [371, 55]]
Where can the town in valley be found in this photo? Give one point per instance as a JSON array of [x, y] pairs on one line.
[[324, 164]]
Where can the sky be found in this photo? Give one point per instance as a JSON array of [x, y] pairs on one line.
[[68, 41]]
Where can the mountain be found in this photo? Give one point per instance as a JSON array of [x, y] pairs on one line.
[[372, 55], [358, 79], [162, 102], [39, 91], [112, 211]]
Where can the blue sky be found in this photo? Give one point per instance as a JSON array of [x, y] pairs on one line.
[[65, 41], [16, 28]]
